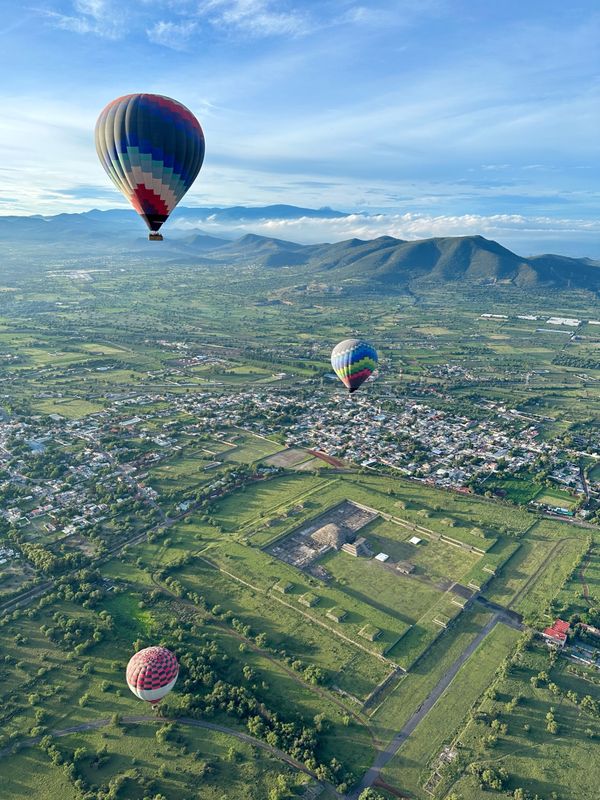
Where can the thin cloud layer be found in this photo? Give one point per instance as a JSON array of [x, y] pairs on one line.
[[512, 230], [447, 110], [103, 18], [256, 17]]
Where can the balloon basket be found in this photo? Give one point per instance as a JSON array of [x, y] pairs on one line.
[[155, 237]]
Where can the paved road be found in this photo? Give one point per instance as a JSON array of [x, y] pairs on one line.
[[392, 748], [511, 618]]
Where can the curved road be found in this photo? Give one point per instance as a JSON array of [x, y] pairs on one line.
[[194, 723]]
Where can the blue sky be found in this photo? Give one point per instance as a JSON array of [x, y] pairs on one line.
[[435, 116]]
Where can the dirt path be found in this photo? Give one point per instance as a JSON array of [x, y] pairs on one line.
[[194, 723], [540, 570], [323, 693], [584, 565]]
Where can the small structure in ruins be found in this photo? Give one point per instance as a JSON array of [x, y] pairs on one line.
[[405, 567], [358, 547]]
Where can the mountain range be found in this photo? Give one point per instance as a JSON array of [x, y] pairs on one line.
[[384, 262]]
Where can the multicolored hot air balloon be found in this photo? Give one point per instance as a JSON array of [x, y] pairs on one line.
[[353, 360], [152, 148], [151, 673]]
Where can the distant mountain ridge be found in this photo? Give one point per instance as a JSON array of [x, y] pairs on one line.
[[392, 262], [384, 262]]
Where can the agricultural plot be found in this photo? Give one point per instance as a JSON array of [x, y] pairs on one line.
[[551, 496], [249, 448], [535, 573], [71, 409], [534, 601], [182, 471], [14, 575], [581, 592], [290, 458], [520, 490]]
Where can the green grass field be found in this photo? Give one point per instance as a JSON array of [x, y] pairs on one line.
[[433, 559], [346, 666], [176, 767], [555, 497], [250, 448], [400, 703], [536, 760], [409, 769], [71, 409]]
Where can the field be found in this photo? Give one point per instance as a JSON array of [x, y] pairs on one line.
[[433, 559], [413, 688], [555, 497], [288, 625], [533, 757], [179, 465], [250, 448], [411, 767], [234, 766], [292, 458]]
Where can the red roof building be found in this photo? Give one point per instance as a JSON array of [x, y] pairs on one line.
[[556, 634]]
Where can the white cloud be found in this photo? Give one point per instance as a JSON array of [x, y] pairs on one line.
[[255, 17], [100, 17], [513, 230], [175, 35]]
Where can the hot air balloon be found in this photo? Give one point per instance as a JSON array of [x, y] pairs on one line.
[[152, 148], [151, 673], [353, 360]]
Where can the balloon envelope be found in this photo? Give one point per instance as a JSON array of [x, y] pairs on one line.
[[151, 673], [353, 360], [152, 148]]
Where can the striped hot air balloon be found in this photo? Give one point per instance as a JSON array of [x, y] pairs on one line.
[[151, 673], [353, 360], [152, 148]]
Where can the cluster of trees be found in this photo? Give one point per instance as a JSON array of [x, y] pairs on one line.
[[84, 587], [44, 560], [523, 794], [310, 672], [564, 360], [207, 681], [71, 761], [76, 634], [489, 777]]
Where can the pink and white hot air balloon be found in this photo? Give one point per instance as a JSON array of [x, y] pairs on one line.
[[151, 673]]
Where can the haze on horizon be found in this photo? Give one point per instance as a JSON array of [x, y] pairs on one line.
[[435, 117]]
